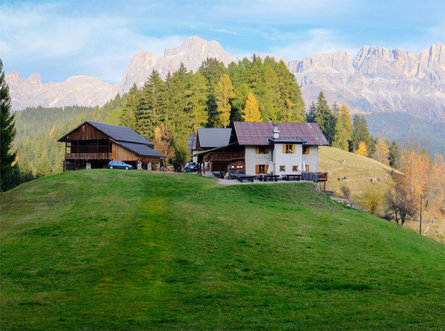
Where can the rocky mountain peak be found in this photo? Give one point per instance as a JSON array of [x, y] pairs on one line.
[[192, 52]]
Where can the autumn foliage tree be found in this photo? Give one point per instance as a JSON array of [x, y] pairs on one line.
[[163, 141], [381, 151], [403, 200], [223, 95], [362, 150], [251, 110]]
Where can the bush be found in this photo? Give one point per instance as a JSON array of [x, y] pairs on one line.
[[345, 191]]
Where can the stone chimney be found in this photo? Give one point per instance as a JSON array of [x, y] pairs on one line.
[[276, 132]]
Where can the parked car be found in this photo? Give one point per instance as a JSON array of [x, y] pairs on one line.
[[119, 165], [191, 167]]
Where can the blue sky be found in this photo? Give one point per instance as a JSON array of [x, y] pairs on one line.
[[59, 39]]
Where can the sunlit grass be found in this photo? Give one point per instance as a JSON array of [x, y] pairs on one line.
[[128, 250]]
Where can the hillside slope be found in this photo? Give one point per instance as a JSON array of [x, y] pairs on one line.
[[357, 169], [104, 249]]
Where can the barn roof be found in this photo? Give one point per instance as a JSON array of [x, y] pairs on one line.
[[140, 149], [252, 133], [124, 137], [115, 132], [214, 137]]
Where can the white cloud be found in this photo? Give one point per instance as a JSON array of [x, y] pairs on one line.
[[312, 42], [100, 46]]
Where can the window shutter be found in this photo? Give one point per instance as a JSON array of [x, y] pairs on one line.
[[267, 169], [257, 169], [293, 148], [307, 167], [258, 150], [284, 148]]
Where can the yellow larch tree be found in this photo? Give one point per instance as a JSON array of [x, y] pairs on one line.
[[251, 110], [362, 150]]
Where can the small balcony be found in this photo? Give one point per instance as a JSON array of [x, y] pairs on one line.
[[87, 156]]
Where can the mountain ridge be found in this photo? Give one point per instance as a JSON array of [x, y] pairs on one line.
[[374, 80]]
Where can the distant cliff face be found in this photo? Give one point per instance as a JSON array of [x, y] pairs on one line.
[[375, 80], [77, 90], [378, 80], [191, 53]]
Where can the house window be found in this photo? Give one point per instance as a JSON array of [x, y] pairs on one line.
[[261, 169], [305, 149], [262, 150], [307, 167], [294, 168], [288, 149], [282, 168]]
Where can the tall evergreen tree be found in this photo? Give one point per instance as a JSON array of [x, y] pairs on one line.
[[177, 119], [223, 95], [152, 105], [394, 155], [310, 116], [7, 133], [251, 110], [196, 101], [343, 129], [324, 117], [361, 133], [130, 109], [290, 103], [212, 69]]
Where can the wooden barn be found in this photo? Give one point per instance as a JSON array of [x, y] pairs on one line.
[[94, 144]]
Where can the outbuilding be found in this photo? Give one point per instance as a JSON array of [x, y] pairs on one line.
[[94, 144]]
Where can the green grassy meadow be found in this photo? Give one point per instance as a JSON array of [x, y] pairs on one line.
[[128, 250]]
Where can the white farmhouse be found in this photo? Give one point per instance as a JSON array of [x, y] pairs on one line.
[[260, 148]]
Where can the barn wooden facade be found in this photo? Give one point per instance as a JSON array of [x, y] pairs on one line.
[[94, 144]]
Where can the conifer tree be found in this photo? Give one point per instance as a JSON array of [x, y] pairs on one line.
[[223, 95], [270, 95], [291, 104], [324, 118], [177, 118], [131, 104], [251, 110], [196, 101], [343, 129], [394, 155], [7, 133], [361, 133], [310, 116], [152, 105]]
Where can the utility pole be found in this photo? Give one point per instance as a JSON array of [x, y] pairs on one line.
[[420, 223]]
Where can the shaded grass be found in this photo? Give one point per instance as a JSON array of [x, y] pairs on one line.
[[104, 249]]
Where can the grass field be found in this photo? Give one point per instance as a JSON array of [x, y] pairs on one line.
[[356, 168], [128, 250]]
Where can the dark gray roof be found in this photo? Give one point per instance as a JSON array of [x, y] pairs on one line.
[[140, 149], [120, 133], [192, 141], [214, 137]]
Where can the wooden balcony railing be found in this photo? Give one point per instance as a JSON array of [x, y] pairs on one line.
[[224, 156], [87, 156]]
